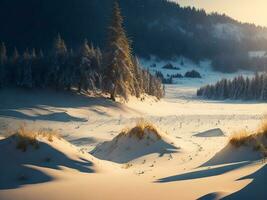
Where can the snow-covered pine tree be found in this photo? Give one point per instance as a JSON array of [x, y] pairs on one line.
[[33, 54], [84, 67], [97, 63], [60, 47], [3, 64], [238, 88], [15, 56], [138, 82], [41, 54], [264, 87], [247, 89], [257, 86], [26, 80], [58, 73], [39, 69], [3, 54], [119, 78]]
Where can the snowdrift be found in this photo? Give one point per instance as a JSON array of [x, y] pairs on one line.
[[243, 146], [231, 154], [22, 159], [217, 132], [134, 143]]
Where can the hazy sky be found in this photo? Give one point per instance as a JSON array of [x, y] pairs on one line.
[[253, 11]]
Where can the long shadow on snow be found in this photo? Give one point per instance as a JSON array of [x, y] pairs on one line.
[[255, 190], [14, 169], [59, 116], [12, 99], [202, 173]]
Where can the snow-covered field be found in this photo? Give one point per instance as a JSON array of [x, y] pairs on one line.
[[197, 128]]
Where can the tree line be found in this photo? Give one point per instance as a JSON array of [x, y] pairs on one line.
[[114, 70], [240, 87]]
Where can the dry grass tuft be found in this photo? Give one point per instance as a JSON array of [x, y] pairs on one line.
[[257, 140], [142, 128], [240, 138], [25, 137], [48, 134], [263, 127]]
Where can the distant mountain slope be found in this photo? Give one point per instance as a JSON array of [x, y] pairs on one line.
[[156, 27]]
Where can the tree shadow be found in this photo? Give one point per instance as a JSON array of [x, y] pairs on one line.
[[57, 116], [15, 99], [255, 190], [203, 173], [17, 167], [210, 196]]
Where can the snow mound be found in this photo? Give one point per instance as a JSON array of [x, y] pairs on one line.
[[20, 166], [217, 132], [243, 146], [134, 143], [231, 154]]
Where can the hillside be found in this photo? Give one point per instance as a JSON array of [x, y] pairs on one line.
[[158, 27]]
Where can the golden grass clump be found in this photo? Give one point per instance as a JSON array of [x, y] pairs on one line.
[[263, 127], [142, 126], [240, 138], [257, 140], [49, 134], [27, 137]]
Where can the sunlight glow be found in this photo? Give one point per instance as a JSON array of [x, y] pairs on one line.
[[241, 10]]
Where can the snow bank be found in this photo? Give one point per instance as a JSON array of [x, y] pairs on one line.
[[134, 143], [20, 167]]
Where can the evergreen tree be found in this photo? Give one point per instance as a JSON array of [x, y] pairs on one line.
[[238, 88], [119, 78], [3, 64], [33, 54], [3, 54], [264, 88], [58, 74], [66, 69], [84, 66], [60, 47], [15, 56], [26, 71]]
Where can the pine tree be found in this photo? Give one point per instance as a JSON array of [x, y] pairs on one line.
[[33, 54], [85, 70], [41, 54], [58, 72], [84, 66], [15, 56], [3, 63], [138, 82], [60, 47], [119, 78], [238, 88], [3, 54], [26, 74], [264, 88]]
